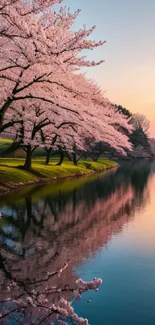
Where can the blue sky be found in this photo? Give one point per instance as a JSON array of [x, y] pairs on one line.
[[128, 74]]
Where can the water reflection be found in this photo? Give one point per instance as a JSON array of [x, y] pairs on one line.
[[44, 229]]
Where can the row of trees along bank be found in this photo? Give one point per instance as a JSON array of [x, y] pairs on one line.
[[45, 100], [141, 144]]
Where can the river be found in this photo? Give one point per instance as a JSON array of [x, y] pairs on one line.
[[102, 226]]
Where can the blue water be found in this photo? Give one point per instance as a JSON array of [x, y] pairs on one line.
[[127, 294], [103, 227], [127, 266]]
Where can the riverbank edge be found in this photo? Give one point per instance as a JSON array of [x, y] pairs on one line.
[[8, 187]]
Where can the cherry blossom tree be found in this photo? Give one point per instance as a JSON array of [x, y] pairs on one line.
[[36, 43], [99, 120], [40, 90], [37, 48], [43, 124]]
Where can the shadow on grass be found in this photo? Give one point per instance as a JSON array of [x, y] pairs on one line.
[[88, 165], [8, 166], [31, 171]]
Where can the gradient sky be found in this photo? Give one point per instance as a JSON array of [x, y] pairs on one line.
[[128, 74]]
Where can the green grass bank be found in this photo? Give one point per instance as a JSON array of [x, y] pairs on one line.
[[11, 177]]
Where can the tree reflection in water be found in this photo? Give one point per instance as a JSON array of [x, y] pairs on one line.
[[39, 238]]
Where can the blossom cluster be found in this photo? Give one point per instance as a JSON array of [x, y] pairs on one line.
[[62, 309]]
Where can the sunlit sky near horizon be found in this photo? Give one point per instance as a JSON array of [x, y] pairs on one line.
[[128, 74]]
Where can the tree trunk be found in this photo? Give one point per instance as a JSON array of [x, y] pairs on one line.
[[28, 160], [79, 158], [3, 111], [68, 156], [95, 158], [48, 152], [74, 159], [61, 158]]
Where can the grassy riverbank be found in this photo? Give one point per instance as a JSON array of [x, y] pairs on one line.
[[12, 177]]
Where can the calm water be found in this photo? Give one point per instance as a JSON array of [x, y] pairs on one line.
[[103, 226]]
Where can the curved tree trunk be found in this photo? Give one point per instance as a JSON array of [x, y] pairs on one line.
[[61, 158], [68, 156], [48, 152], [74, 159], [28, 160], [95, 157], [3, 111]]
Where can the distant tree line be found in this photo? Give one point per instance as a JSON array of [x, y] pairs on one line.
[[139, 138]]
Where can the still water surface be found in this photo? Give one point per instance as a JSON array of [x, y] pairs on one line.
[[103, 226]]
